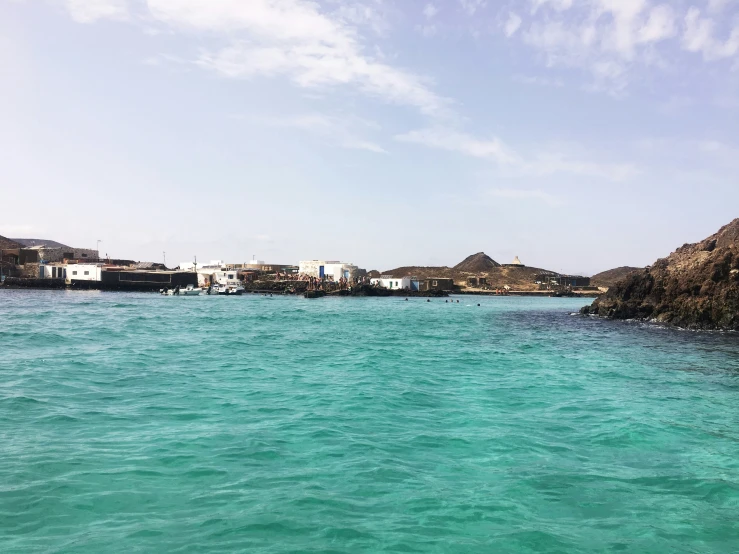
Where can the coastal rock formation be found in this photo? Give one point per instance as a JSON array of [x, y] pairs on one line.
[[477, 263], [609, 278], [696, 287]]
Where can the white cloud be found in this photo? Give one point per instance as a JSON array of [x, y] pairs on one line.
[[611, 39], [358, 13], [446, 139], [471, 6], [545, 162], [430, 11], [699, 37], [512, 25], [520, 194], [549, 163], [89, 11], [558, 5], [293, 38], [344, 131], [717, 6], [660, 25]]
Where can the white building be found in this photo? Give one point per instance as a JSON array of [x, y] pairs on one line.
[[395, 283], [83, 272], [329, 269], [229, 277], [52, 271], [71, 272]]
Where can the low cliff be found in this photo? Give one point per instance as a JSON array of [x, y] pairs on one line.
[[696, 287]]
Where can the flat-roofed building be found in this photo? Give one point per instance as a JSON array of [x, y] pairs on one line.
[[328, 269], [394, 283]]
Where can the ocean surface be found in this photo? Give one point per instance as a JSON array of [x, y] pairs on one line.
[[139, 423]]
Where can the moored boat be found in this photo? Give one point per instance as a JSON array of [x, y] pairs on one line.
[[227, 290], [189, 290]]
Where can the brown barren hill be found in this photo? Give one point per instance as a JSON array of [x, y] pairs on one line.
[[517, 277], [696, 287], [477, 263], [9, 244], [609, 278]]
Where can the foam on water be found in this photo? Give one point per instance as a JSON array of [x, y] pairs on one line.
[[140, 423]]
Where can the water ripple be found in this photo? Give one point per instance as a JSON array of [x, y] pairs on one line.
[[138, 423]]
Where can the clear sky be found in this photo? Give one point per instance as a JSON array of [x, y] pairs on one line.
[[579, 135]]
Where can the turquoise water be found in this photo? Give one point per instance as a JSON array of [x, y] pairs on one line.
[[140, 423]]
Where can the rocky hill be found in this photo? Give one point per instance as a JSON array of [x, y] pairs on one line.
[[519, 278], [27, 243], [477, 263], [609, 278], [696, 287], [9, 244]]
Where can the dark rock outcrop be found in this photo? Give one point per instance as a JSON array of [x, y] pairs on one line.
[[696, 287]]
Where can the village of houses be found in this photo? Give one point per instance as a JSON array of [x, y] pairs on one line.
[[31, 263]]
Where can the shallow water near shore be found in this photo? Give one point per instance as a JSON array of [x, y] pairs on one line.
[[141, 423]]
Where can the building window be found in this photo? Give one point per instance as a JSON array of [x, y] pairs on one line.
[[84, 255], [231, 276], [74, 273], [87, 272], [434, 284]]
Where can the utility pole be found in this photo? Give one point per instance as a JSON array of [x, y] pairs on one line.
[[98, 248], [164, 255]]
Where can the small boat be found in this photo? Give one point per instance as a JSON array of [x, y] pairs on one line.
[[227, 290], [189, 290]]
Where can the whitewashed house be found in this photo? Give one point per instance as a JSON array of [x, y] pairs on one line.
[[228, 277], [83, 272], [52, 271], [394, 283], [330, 269]]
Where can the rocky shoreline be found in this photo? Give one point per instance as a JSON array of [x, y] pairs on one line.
[[696, 287]]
